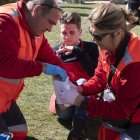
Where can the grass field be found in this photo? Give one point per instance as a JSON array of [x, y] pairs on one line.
[[34, 100]]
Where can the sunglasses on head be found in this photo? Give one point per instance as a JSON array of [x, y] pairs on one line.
[[49, 6], [98, 37]]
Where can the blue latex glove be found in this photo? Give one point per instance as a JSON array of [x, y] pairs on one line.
[[55, 71], [6, 136]]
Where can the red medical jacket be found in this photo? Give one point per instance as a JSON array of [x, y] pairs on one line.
[[126, 88], [10, 65]]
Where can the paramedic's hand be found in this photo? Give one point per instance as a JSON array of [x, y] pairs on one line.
[[55, 71], [71, 97]]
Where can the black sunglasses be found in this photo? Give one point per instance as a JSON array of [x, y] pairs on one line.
[[98, 37], [47, 5]]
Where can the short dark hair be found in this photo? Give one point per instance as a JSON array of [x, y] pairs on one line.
[[71, 18]]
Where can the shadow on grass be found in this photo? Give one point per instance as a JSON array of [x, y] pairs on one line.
[[31, 138], [83, 14], [92, 128], [66, 123]]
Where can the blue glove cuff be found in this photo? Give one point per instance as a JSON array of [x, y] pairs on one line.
[[55, 71]]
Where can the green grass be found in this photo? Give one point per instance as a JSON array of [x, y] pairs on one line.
[[34, 100]]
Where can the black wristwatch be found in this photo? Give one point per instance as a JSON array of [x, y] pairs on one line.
[[84, 103]]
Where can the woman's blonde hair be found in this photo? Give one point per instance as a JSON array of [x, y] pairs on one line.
[[108, 17]]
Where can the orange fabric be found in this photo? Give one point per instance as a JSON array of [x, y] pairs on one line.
[[131, 56], [132, 51], [26, 46], [10, 91], [52, 104], [8, 7]]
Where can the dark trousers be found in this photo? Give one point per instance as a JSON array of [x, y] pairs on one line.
[[14, 121]]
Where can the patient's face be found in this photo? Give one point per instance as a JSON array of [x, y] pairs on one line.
[[70, 34]]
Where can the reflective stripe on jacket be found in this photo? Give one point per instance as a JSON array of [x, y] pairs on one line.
[[10, 88], [131, 56]]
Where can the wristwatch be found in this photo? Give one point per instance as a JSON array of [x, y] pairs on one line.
[[84, 103]]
